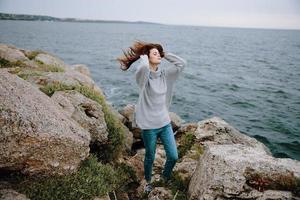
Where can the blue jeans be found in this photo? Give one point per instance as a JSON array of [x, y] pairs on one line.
[[166, 136]]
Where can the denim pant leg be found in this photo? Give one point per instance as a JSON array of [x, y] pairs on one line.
[[168, 140], [149, 139]]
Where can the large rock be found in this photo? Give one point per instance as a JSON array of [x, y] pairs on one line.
[[48, 59], [217, 131], [11, 53], [223, 172], [9, 194], [85, 112], [36, 136]]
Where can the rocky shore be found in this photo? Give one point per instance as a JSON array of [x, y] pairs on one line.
[[61, 139]]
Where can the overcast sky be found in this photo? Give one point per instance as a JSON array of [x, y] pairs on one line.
[[283, 14]]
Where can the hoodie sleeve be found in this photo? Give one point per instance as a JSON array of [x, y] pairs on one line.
[[142, 72], [172, 74], [179, 64]]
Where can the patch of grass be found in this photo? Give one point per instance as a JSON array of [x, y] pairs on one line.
[[179, 186], [15, 70], [32, 54], [52, 68], [49, 68], [262, 181], [39, 62], [43, 67], [187, 141], [116, 136], [93, 179], [7, 64], [49, 89], [25, 75], [198, 148], [128, 174]]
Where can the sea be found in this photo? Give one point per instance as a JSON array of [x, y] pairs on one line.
[[248, 77]]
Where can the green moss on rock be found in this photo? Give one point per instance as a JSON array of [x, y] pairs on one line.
[[187, 141], [8, 64], [49, 68], [32, 54]]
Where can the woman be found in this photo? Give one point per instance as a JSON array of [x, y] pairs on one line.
[[155, 94]]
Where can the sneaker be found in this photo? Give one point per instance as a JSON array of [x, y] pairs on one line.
[[148, 188]]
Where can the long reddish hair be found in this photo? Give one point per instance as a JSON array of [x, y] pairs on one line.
[[133, 53]]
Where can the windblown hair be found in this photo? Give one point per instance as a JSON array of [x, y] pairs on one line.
[[133, 53]]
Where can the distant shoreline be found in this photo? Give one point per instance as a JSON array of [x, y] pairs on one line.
[[24, 17]]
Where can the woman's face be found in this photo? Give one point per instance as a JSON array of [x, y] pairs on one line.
[[154, 56]]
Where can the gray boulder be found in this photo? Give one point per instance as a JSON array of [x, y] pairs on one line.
[[36, 137], [9, 194], [86, 112], [217, 131], [48, 59], [229, 172], [11, 53]]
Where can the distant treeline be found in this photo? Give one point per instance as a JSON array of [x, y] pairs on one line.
[[7, 16], [4, 16]]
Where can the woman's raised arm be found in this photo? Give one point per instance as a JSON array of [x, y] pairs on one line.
[[179, 63], [142, 72]]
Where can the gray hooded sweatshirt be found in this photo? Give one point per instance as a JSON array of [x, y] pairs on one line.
[[155, 91]]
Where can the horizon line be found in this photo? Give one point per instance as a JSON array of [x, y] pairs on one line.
[[149, 22]]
